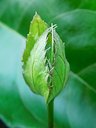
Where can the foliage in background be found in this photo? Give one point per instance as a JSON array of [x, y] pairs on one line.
[[75, 107]]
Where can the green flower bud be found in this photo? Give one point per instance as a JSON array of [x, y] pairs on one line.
[[45, 68]]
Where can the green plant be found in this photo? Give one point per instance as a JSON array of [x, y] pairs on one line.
[[75, 106], [45, 67]]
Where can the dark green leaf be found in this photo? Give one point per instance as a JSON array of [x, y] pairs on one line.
[[12, 109], [18, 14]]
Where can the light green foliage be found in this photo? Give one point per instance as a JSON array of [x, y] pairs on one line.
[[46, 67]]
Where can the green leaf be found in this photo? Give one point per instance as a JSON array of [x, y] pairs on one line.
[[18, 14], [37, 27], [60, 68], [78, 31], [80, 103], [35, 71], [12, 109]]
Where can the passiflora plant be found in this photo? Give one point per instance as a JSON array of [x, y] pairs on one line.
[[45, 67]]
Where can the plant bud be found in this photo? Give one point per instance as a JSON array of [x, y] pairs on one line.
[[45, 68]]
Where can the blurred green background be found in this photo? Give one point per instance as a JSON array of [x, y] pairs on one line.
[[75, 107]]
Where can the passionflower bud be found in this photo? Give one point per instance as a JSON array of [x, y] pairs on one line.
[[45, 68]]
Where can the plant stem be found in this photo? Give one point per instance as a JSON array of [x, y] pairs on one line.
[[51, 114]]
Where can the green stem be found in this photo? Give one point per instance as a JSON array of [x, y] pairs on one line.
[[51, 114]]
